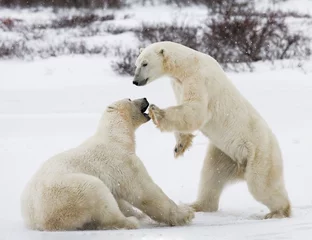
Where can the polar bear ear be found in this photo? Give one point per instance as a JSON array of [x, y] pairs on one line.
[[141, 50], [162, 52]]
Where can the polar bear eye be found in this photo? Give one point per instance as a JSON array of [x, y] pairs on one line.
[[144, 64], [129, 99]]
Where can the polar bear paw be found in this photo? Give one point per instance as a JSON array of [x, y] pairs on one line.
[[182, 215], [131, 223], [210, 206], [283, 213], [185, 142], [157, 115]]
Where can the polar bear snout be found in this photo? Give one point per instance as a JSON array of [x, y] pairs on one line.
[[141, 82], [142, 104]]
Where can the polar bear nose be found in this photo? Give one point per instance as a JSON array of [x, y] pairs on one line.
[[140, 82]]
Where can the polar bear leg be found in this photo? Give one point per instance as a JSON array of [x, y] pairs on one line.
[[106, 212], [218, 170], [128, 210], [268, 187], [80, 201], [154, 203]]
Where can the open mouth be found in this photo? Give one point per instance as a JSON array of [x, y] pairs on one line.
[[143, 109]]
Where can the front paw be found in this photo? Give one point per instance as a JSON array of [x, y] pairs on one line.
[[182, 216], [131, 223], [185, 142], [208, 207], [157, 115]]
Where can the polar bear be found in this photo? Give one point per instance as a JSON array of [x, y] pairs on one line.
[[242, 146], [94, 185]]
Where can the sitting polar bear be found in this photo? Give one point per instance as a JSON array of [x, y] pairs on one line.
[[242, 144], [95, 185]]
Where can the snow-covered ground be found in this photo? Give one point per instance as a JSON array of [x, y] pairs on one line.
[[47, 106], [51, 105]]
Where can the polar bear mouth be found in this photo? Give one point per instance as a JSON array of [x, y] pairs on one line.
[[147, 116], [143, 109]]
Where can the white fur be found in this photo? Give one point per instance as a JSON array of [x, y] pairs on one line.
[[94, 185], [242, 144]]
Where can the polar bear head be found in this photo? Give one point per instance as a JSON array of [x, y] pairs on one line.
[[132, 111], [150, 64]]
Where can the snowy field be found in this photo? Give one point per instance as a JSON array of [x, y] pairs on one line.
[[51, 105], [47, 106]]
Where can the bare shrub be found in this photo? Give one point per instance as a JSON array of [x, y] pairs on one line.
[[21, 50], [182, 34], [113, 29], [278, 1], [80, 20], [214, 5], [64, 3], [124, 65], [8, 24], [236, 37], [27, 41], [14, 49], [249, 38]]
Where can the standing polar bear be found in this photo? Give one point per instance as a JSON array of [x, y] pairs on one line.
[[242, 145], [95, 185]]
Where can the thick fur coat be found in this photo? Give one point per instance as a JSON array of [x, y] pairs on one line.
[[242, 146], [96, 185]]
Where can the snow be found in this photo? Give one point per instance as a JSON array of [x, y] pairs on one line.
[[47, 106], [303, 6], [34, 31], [50, 105]]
